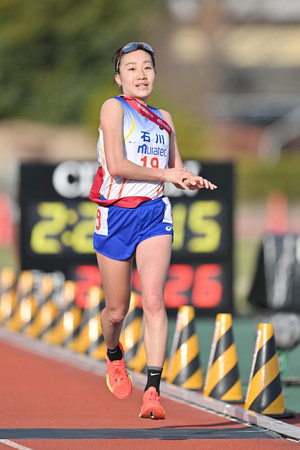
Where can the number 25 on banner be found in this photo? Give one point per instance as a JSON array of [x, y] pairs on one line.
[[197, 226]]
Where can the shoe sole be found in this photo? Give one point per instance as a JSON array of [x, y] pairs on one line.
[[151, 413]]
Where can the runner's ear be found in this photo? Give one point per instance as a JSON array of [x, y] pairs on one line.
[[117, 79]]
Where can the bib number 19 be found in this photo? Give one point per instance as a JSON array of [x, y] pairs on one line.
[[153, 162]]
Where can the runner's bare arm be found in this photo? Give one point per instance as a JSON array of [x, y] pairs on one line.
[[191, 181], [111, 123]]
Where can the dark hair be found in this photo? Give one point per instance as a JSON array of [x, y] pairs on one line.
[[116, 59]]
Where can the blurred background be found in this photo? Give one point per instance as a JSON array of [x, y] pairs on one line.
[[228, 71]]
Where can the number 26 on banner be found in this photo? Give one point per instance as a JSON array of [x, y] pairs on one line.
[[203, 285]]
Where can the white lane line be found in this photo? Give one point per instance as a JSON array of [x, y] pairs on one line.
[[14, 444]]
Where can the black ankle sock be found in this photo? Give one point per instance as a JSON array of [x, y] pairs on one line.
[[153, 377], [114, 353]]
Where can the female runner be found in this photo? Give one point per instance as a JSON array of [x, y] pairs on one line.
[[137, 154]]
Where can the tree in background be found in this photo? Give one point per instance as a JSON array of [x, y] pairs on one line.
[[54, 53]]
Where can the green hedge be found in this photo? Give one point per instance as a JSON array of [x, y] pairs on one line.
[[255, 180]]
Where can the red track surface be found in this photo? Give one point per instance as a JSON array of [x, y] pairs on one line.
[[39, 393]]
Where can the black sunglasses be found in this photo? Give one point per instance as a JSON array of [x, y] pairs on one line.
[[131, 47]]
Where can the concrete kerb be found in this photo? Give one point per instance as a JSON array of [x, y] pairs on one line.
[[173, 392]]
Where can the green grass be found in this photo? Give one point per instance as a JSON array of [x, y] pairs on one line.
[[7, 257], [245, 258], [255, 179]]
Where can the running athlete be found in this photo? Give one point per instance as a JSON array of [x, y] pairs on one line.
[[137, 154]]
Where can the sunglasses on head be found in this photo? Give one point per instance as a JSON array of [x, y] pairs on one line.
[[131, 47]]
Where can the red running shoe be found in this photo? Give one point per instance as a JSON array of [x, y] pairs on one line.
[[118, 380], [151, 408]]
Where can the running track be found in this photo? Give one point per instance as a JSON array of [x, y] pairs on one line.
[[51, 404]]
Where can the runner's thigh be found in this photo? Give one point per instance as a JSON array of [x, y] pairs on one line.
[[153, 260], [116, 279]]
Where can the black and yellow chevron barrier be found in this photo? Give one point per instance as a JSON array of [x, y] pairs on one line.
[[47, 308], [222, 380], [132, 328], [90, 326], [184, 364], [67, 320], [96, 347], [265, 395], [8, 296], [26, 305], [139, 362], [165, 369]]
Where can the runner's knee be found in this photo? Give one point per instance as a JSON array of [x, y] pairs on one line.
[[153, 304], [116, 315]]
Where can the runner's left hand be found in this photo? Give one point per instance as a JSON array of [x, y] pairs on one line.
[[193, 182]]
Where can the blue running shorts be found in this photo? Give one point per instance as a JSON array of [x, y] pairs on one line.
[[118, 230]]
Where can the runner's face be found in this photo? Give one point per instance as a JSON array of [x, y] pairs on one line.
[[137, 75]]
